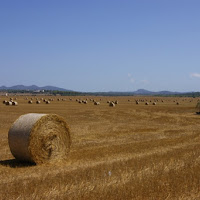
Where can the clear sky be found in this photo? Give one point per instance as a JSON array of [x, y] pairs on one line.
[[101, 45]]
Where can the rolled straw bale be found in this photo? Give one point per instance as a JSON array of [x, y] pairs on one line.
[[4, 102], [39, 138], [112, 104], [84, 101], [14, 103], [8, 103]]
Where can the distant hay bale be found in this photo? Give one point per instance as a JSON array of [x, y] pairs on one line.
[[47, 102], [9, 103], [30, 102], [112, 104], [96, 103], [137, 102], [147, 103], [14, 103], [154, 103], [39, 138], [84, 101], [4, 101], [37, 102]]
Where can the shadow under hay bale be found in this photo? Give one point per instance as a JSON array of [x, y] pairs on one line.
[[39, 138], [14, 163]]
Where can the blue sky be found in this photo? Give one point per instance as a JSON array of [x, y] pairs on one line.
[[101, 45]]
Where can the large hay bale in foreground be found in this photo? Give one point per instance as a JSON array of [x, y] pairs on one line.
[[39, 138]]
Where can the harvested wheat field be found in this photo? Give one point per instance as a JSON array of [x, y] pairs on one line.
[[129, 151]]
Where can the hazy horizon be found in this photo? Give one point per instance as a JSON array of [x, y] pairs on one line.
[[101, 46], [96, 91]]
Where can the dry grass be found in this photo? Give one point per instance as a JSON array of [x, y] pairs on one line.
[[126, 152]]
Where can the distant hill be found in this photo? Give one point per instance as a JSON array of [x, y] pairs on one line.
[[146, 92], [141, 92], [62, 91], [32, 88]]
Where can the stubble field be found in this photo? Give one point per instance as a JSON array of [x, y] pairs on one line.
[[124, 152]]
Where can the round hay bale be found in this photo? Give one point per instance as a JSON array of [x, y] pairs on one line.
[[84, 101], [14, 103], [111, 104], [4, 102], [8, 103], [39, 138]]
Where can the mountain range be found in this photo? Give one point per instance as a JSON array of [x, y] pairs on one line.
[[32, 88], [53, 88]]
